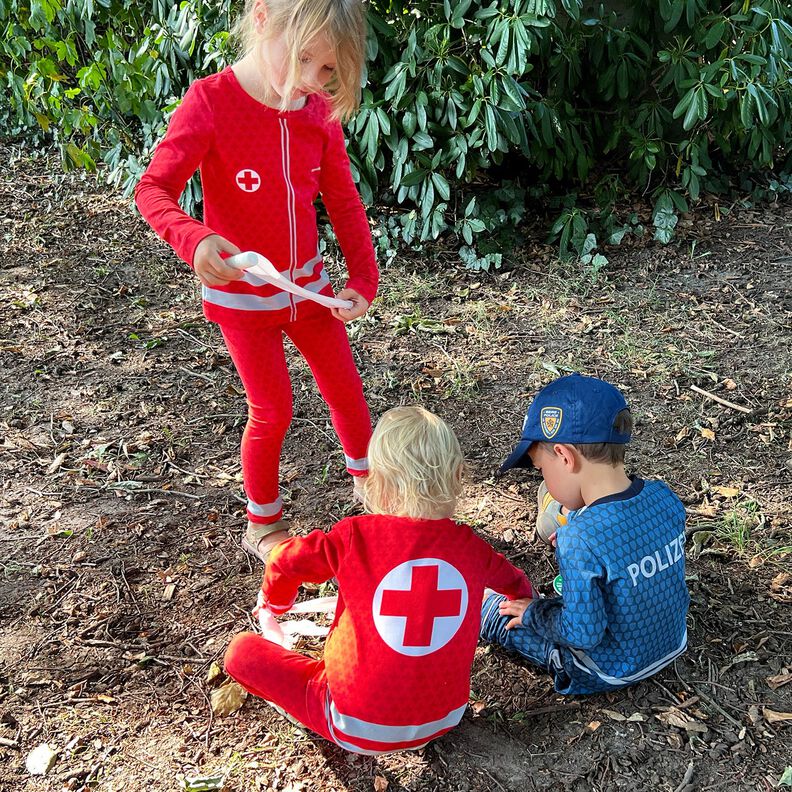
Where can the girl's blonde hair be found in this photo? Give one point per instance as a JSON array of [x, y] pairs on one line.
[[342, 21], [415, 466]]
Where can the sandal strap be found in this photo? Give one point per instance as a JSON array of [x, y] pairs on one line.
[[260, 531]]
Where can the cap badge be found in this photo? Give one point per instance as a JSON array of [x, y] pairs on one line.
[[550, 421]]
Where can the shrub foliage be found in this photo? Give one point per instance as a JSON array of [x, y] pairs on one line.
[[471, 107]]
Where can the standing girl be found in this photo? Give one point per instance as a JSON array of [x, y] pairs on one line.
[[268, 140], [396, 667]]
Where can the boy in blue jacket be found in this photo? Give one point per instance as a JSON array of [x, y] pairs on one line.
[[620, 546]]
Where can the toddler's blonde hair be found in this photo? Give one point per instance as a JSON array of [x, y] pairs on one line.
[[415, 466], [344, 24]]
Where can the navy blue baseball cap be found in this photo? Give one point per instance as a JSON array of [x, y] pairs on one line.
[[571, 409]]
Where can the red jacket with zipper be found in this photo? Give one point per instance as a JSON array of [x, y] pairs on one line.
[[261, 171]]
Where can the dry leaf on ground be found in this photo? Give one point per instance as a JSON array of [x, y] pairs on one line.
[[227, 699], [213, 672], [727, 492], [781, 587], [617, 716], [674, 717], [779, 680]]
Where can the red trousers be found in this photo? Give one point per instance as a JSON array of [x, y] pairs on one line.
[[294, 682], [260, 359]]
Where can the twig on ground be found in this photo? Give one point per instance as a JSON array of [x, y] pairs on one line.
[[715, 705], [197, 374], [718, 399], [686, 779]]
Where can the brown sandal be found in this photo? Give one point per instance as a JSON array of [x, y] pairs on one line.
[[252, 540]]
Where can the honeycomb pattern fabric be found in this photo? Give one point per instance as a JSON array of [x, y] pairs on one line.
[[623, 613], [398, 657], [261, 171]]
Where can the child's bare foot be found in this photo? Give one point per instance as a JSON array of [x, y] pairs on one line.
[[260, 539]]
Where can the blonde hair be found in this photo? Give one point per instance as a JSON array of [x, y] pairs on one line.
[[415, 466], [342, 21]]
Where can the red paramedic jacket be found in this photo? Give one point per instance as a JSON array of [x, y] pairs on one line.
[[399, 653], [261, 171]]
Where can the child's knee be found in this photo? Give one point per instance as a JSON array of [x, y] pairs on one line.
[[267, 422], [491, 620], [241, 650]]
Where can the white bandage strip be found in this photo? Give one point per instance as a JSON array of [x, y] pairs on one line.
[[265, 269], [286, 633]]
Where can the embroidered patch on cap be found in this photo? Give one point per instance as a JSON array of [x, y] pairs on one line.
[[550, 421]]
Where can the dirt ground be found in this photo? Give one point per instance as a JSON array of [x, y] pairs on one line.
[[121, 505]]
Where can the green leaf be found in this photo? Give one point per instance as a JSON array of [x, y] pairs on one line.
[[489, 125], [684, 103], [203, 783], [589, 244], [422, 141], [414, 177], [442, 186], [408, 121]]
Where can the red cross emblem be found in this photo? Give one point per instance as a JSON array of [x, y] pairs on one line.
[[248, 180], [419, 606]]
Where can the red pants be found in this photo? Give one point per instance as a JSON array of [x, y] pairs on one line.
[[294, 682], [260, 359]]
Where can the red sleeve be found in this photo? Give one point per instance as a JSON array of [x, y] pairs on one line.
[[313, 559], [347, 215], [505, 578], [177, 157]]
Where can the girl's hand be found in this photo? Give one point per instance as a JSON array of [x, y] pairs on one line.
[[359, 305], [516, 608], [209, 265]]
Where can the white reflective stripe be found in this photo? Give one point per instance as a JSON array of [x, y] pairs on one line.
[[279, 609], [356, 464], [377, 732], [307, 269], [245, 302], [265, 509], [365, 751], [584, 662], [315, 286], [253, 302]]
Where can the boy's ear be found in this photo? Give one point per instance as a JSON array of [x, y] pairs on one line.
[[569, 455]]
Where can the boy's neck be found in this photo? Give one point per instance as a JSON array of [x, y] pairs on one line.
[[602, 480]]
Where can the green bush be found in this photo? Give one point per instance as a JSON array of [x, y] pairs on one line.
[[473, 108]]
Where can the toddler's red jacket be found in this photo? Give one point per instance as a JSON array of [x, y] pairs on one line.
[[399, 653]]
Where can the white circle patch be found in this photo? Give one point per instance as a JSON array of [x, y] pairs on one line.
[[248, 180], [419, 606]]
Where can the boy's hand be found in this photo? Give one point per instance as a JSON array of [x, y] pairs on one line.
[[516, 608], [209, 265], [359, 305]]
